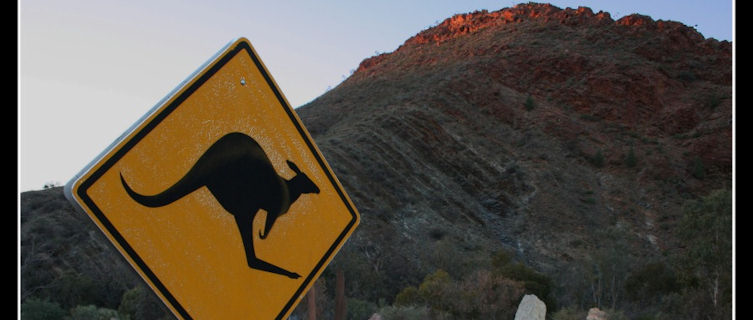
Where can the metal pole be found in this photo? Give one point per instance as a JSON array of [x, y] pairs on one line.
[[340, 305], [311, 297]]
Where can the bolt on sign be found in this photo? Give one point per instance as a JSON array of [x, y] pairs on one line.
[[218, 196]]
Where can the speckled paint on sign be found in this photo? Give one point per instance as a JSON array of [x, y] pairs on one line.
[[190, 251]]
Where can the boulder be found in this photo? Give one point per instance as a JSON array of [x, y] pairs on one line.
[[531, 308], [596, 314]]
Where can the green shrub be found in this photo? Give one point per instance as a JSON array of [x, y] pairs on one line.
[[649, 281], [138, 304], [597, 159], [501, 259], [404, 313], [649, 316], [529, 104], [35, 309], [713, 100], [434, 290], [705, 266], [686, 76], [699, 170], [408, 296], [569, 314], [485, 295], [613, 314], [479, 295], [589, 117], [91, 312], [73, 289], [630, 159], [360, 310], [534, 282]]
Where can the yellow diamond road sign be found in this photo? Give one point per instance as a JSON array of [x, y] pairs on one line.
[[218, 197]]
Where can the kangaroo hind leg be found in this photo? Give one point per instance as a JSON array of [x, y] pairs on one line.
[[245, 226]]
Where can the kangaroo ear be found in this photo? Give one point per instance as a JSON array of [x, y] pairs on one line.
[[293, 166]]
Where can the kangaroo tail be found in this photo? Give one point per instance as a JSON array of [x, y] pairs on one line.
[[175, 192]]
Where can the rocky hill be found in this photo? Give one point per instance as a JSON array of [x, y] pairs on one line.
[[562, 137], [558, 134]]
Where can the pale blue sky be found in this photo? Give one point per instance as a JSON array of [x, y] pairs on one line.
[[88, 69]]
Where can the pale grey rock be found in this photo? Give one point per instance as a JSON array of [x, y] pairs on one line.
[[531, 308], [596, 314]]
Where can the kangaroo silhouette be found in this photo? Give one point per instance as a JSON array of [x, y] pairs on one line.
[[241, 178]]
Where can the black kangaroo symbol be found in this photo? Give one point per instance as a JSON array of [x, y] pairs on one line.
[[240, 176]]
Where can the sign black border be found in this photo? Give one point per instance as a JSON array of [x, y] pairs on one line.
[[86, 184]]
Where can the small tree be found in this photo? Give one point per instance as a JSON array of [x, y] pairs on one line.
[[91, 312], [533, 282], [699, 171], [706, 229], [649, 281], [35, 309], [529, 104], [434, 290], [140, 304], [630, 159], [359, 309]]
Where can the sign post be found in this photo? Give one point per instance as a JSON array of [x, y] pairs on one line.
[[218, 197]]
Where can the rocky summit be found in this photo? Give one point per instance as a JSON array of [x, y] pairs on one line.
[[568, 141]]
